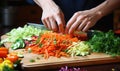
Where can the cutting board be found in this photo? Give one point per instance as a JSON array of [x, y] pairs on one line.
[[53, 62]]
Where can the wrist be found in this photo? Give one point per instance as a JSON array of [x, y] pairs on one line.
[[99, 14], [45, 4], [101, 10]]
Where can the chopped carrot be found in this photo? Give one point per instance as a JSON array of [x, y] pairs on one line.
[[12, 57], [53, 44]]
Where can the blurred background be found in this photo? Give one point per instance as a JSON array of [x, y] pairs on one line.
[[15, 13]]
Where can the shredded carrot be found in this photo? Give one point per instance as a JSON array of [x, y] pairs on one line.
[[53, 44]]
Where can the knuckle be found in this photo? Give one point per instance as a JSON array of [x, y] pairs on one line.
[[57, 14], [77, 13], [45, 18]]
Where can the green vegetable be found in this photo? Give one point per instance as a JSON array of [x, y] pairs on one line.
[[105, 42], [32, 60], [19, 43], [7, 68], [16, 36], [25, 32]]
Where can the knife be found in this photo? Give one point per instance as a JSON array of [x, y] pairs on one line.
[[39, 26]]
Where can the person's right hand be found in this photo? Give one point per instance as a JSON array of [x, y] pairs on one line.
[[53, 17]]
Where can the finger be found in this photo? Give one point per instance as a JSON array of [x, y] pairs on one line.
[[87, 26], [75, 25], [48, 23], [70, 22], [53, 24], [82, 25], [63, 20], [60, 23], [43, 21]]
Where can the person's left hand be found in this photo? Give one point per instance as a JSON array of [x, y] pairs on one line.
[[82, 21]]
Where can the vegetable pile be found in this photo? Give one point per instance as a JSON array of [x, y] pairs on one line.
[[7, 60], [18, 35], [78, 49], [6, 65], [52, 44], [48, 43], [107, 43]]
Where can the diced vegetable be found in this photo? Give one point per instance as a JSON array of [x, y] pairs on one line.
[[66, 68], [12, 57], [78, 49], [6, 65], [32, 60], [19, 43], [52, 44], [25, 32]]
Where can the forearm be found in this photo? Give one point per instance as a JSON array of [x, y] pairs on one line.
[[45, 3], [107, 7]]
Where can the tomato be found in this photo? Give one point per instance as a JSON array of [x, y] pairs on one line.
[[3, 52], [12, 57], [3, 49]]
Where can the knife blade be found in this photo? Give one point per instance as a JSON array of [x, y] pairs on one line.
[[39, 26]]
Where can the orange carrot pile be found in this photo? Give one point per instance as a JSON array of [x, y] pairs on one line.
[[52, 44]]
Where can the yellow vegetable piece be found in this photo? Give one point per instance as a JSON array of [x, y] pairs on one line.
[[7, 63], [1, 67]]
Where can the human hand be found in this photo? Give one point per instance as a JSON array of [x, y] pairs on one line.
[[53, 18], [82, 21]]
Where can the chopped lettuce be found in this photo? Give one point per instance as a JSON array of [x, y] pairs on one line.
[[24, 33]]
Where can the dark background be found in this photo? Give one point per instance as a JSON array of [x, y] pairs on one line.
[[15, 13]]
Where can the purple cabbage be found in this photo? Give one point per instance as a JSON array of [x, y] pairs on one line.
[[71, 69]]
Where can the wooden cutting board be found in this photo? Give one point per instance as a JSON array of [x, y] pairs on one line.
[[53, 62]]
